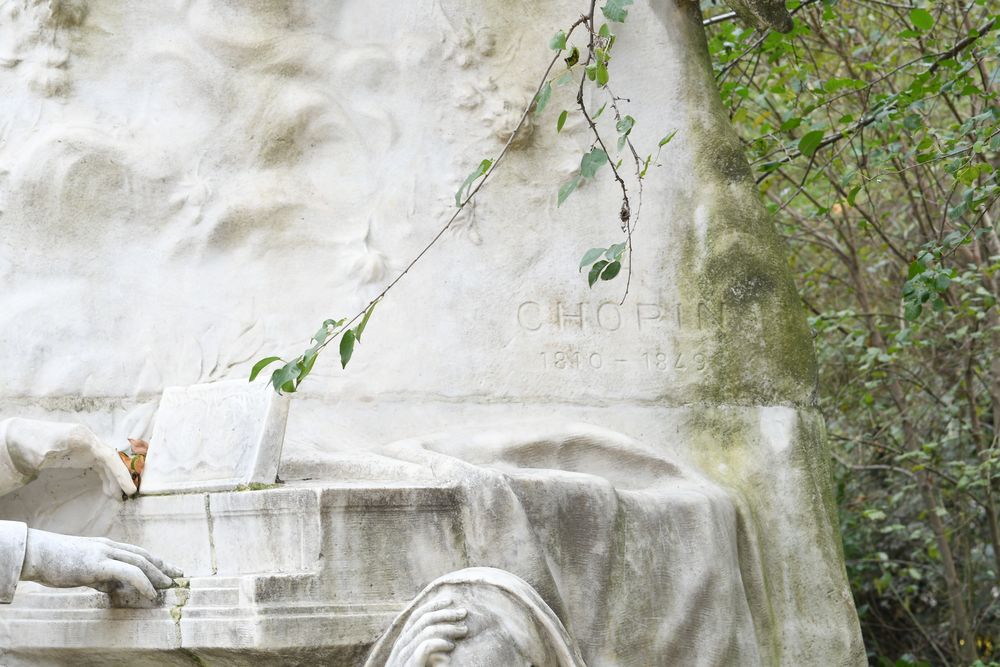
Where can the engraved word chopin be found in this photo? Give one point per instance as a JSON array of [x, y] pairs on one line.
[[639, 317]]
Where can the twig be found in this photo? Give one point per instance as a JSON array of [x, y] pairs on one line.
[[626, 209], [719, 18], [630, 225], [721, 76], [625, 214], [868, 120]]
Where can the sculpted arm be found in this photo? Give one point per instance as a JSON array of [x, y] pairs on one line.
[[29, 446]]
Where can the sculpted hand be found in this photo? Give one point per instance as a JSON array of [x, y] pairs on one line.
[[64, 561], [35, 445], [429, 636]]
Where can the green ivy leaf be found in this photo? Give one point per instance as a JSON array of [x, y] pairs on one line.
[[592, 161], [364, 320], [595, 272], [602, 76], [625, 125], [611, 270], [283, 379], [615, 252], [853, 194], [809, 143], [543, 98], [562, 120], [600, 111], [479, 171], [568, 188], [267, 361], [346, 347], [667, 139], [558, 41], [591, 256], [916, 268], [912, 311], [325, 330], [790, 124], [573, 58], [922, 19], [645, 166], [308, 361], [615, 10]]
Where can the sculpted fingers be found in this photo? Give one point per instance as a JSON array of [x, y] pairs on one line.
[[112, 571], [447, 631], [161, 565], [433, 605], [425, 620], [422, 656], [85, 448], [432, 630], [439, 659], [432, 641], [114, 472], [153, 573]]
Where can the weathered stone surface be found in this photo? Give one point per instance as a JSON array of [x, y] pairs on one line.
[[290, 576], [250, 169]]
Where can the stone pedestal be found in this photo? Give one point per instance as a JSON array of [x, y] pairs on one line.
[[298, 575], [187, 187]]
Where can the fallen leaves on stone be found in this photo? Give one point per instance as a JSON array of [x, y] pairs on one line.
[[135, 459]]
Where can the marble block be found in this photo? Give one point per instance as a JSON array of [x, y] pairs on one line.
[[215, 436], [284, 577]]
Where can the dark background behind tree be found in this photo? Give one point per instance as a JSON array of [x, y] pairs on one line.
[[874, 128]]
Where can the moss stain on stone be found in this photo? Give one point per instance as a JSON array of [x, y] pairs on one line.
[[193, 657], [761, 353], [255, 486], [183, 595]]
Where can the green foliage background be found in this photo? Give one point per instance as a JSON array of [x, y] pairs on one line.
[[874, 128]]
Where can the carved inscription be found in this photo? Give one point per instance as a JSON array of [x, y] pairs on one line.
[[564, 317], [642, 338], [655, 361]]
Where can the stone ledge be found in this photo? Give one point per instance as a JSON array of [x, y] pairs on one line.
[[274, 570]]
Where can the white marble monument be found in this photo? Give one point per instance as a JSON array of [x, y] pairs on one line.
[[513, 466]]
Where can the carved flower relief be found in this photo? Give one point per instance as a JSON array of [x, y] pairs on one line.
[[467, 48], [503, 118], [472, 95], [470, 46], [369, 265], [466, 225], [32, 37]]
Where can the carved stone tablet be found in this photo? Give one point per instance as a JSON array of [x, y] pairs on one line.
[[212, 437]]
